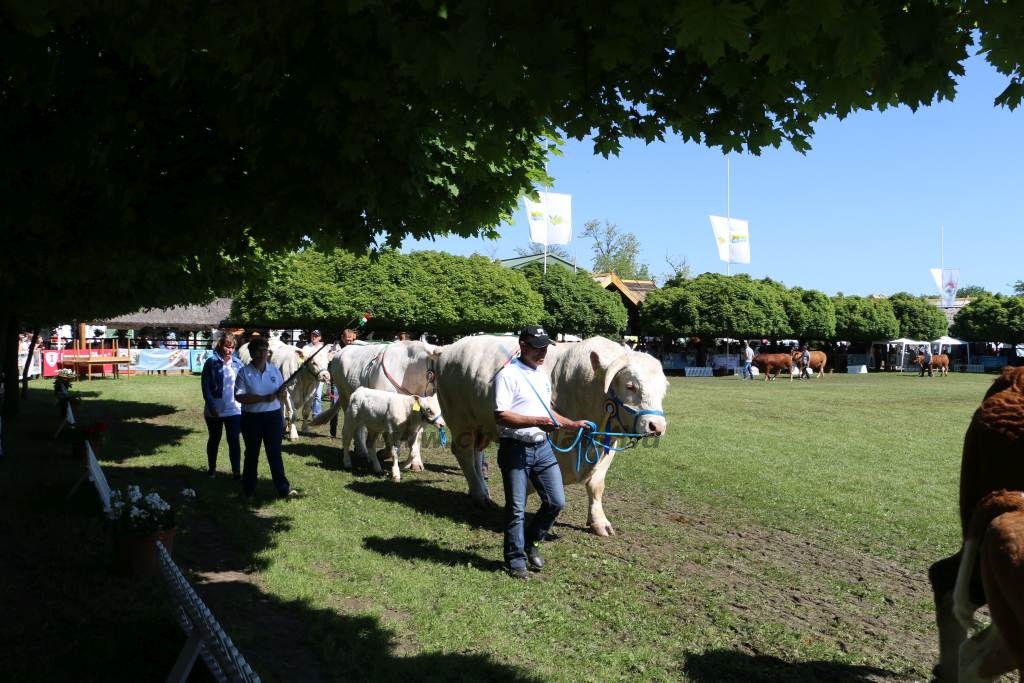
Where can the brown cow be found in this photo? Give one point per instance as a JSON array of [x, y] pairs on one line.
[[771, 364], [993, 459], [996, 534], [817, 361], [940, 362]]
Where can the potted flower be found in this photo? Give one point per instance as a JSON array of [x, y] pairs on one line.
[[62, 387], [139, 519]]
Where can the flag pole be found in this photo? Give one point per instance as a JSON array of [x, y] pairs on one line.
[[728, 214]]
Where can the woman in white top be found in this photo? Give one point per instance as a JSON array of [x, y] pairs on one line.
[[222, 412], [257, 388]]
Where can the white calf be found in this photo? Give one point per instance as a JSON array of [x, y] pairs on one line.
[[399, 417]]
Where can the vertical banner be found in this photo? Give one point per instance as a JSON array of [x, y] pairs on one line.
[[732, 237], [550, 219], [948, 281]]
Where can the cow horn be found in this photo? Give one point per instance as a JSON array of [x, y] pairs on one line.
[[611, 369]]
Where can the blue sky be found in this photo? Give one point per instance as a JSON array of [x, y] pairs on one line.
[[861, 213]]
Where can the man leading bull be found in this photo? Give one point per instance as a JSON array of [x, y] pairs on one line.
[[523, 412]]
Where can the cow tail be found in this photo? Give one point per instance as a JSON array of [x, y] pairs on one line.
[[327, 415]]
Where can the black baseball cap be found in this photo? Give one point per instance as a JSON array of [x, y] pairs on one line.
[[535, 336]]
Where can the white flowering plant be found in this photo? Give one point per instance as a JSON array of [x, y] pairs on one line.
[[132, 509]]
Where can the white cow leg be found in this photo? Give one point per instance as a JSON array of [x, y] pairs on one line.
[[371, 452], [469, 461], [596, 519], [346, 442], [396, 471], [984, 657], [414, 462]]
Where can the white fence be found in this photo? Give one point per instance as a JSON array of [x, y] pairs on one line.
[[205, 635]]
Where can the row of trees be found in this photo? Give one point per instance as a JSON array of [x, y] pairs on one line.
[[427, 290], [739, 306], [455, 295]]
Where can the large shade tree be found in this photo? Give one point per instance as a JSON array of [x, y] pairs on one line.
[[575, 303], [991, 318], [862, 319], [420, 291], [918, 317], [163, 145]]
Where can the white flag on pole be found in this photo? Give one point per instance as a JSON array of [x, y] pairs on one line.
[[550, 219], [947, 280], [732, 236]]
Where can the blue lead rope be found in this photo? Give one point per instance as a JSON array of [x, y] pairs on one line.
[[586, 444]]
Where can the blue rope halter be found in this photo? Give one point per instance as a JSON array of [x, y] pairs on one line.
[[586, 443]]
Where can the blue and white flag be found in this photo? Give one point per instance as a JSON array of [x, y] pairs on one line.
[[732, 236], [550, 219]]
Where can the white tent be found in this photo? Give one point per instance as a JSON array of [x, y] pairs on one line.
[[904, 343], [946, 340]]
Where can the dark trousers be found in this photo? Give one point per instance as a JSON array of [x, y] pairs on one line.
[[521, 464], [265, 428], [215, 426]]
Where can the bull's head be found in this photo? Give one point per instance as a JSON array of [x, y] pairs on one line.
[[635, 385]]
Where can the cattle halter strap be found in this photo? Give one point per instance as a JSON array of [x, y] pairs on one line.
[[586, 443]]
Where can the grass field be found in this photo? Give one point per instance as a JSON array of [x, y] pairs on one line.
[[779, 531]]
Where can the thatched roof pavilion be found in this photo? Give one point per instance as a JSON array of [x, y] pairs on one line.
[[184, 318]]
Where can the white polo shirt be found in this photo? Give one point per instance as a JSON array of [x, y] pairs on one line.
[[252, 381], [513, 392]]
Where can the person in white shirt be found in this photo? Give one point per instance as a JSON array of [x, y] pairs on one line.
[[748, 361], [522, 409], [257, 388], [221, 411], [315, 342]]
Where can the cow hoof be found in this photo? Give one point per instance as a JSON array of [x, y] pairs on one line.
[[396, 479], [603, 528]]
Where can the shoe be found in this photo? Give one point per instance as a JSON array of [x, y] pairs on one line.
[[212, 475], [534, 558], [236, 477], [292, 494], [518, 573]]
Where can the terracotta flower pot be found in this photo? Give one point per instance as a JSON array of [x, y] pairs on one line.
[[135, 552]]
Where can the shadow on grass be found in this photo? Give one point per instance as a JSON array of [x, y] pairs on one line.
[[423, 497], [325, 455], [349, 647], [411, 548], [724, 666]]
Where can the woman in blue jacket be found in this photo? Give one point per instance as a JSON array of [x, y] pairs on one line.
[[222, 411]]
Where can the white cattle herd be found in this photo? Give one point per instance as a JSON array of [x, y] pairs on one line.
[[396, 390]]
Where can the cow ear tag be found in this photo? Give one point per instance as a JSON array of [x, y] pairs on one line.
[[416, 405]]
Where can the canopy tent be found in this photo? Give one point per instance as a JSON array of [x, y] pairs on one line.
[[946, 340], [903, 343]]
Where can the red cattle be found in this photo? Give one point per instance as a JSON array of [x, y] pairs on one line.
[[771, 364], [996, 535], [993, 459], [817, 361], [939, 362]]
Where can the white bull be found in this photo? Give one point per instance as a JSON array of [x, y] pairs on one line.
[[298, 398], [405, 367], [585, 377], [399, 417]]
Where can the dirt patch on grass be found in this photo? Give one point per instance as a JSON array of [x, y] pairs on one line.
[[838, 597]]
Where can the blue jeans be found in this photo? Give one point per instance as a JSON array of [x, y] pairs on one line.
[[267, 429], [523, 463], [316, 399], [215, 426], [747, 372]]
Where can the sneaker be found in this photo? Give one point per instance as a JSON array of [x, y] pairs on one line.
[[534, 558], [518, 573], [293, 493]]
